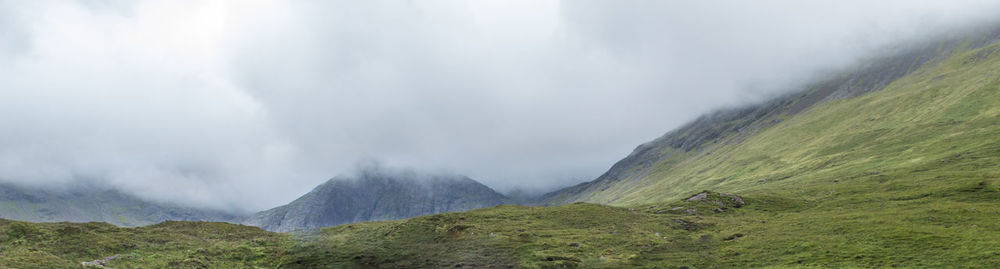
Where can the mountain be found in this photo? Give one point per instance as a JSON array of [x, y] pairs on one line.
[[893, 164], [87, 204], [843, 124], [377, 195]]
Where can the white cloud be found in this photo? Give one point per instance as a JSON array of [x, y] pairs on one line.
[[248, 104]]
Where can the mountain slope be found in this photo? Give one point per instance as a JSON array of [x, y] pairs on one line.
[[86, 204], [735, 149], [377, 195], [891, 166], [897, 176]]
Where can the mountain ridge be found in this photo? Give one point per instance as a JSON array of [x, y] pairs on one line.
[[91, 203], [731, 126], [377, 195], [898, 173]]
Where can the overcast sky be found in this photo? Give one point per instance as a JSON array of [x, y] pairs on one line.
[[248, 104]]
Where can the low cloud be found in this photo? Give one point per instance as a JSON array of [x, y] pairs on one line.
[[247, 104]]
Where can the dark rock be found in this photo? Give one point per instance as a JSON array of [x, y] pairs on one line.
[[377, 195], [737, 200], [733, 237]]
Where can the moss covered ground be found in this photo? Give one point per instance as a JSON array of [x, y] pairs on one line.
[[169, 244], [957, 228]]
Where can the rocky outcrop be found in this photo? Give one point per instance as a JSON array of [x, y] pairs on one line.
[[99, 263], [377, 195]]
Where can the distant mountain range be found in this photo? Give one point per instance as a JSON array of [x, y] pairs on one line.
[[377, 195], [373, 194], [87, 204]]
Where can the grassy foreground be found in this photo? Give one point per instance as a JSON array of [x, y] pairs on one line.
[[169, 244], [957, 227]]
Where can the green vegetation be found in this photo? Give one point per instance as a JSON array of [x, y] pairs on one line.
[[903, 177], [956, 228], [960, 228], [941, 121], [168, 244]]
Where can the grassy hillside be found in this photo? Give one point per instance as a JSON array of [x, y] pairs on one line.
[[929, 132], [901, 177], [955, 228], [168, 244], [943, 113], [960, 228], [904, 176]]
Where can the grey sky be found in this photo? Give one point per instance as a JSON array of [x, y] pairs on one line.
[[249, 104]]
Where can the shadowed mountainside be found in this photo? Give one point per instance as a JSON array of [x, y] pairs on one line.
[[86, 204], [377, 195]]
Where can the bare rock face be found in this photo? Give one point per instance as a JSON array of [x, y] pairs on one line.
[[99, 263], [697, 197], [377, 195]]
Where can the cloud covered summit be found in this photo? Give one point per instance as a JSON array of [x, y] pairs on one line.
[[247, 104]]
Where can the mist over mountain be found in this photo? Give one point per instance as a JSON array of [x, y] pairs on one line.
[[377, 194], [798, 134], [245, 105], [95, 204], [652, 161]]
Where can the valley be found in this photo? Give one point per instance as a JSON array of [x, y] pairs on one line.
[[892, 164]]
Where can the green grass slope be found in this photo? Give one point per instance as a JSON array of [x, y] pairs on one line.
[[929, 132], [169, 244], [959, 228], [940, 117], [902, 177], [905, 176]]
